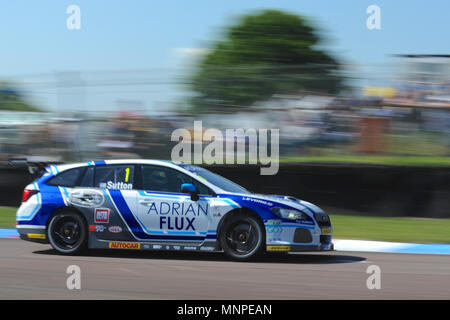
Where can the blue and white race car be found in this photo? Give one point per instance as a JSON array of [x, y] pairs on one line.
[[161, 205]]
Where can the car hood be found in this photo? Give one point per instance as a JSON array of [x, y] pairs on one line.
[[293, 201], [290, 201]]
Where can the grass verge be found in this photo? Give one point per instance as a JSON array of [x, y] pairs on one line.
[[414, 230], [7, 217]]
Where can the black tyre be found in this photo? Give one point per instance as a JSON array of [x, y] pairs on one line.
[[67, 233], [242, 238]]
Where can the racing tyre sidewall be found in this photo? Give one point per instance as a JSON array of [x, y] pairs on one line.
[[82, 233], [256, 250]]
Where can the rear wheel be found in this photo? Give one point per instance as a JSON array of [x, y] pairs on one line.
[[242, 238], [67, 233]]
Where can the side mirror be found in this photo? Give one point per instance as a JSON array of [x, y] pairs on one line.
[[191, 189]]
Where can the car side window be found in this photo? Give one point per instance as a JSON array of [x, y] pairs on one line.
[[163, 179], [69, 178], [119, 177], [202, 189], [88, 178]]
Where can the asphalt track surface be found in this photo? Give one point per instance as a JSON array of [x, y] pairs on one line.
[[34, 271]]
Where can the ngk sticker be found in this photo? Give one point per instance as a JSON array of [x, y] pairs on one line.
[[115, 229]]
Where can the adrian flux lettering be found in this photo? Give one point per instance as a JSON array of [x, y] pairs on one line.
[[176, 215]]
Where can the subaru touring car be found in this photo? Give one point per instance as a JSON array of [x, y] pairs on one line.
[[161, 205]]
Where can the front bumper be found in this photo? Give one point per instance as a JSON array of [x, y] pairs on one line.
[[299, 248], [294, 237], [320, 247]]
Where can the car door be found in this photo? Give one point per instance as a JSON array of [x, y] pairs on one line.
[[115, 218], [167, 214]]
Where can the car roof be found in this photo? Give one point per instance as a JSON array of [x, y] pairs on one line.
[[66, 166], [56, 169]]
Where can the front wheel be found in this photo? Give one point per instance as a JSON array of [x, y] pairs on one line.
[[67, 233], [242, 238]]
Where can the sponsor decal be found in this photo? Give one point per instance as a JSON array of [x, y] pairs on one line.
[[206, 248], [304, 222], [272, 222], [177, 223], [87, 198], [266, 203], [274, 230], [96, 228], [124, 245], [36, 235], [326, 231], [179, 209], [101, 215], [176, 215], [116, 185], [115, 229], [166, 247], [278, 248]]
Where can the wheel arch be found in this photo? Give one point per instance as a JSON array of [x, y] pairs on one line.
[[240, 211], [64, 209], [81, 243]]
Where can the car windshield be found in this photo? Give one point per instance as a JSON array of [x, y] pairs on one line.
[[215, 179]]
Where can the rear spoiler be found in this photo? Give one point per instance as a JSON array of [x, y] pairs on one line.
[[34, 165]]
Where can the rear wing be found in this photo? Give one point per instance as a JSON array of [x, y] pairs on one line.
[[35, 166]]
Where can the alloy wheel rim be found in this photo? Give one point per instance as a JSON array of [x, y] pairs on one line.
[[66, 232], [242, 238]]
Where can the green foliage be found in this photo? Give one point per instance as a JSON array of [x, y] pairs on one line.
[[12, 100], [271, 52]]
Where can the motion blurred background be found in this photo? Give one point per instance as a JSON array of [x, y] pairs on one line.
[[364, 115]]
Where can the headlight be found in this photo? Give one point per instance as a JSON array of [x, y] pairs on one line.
[[322, 217], [289, 213]]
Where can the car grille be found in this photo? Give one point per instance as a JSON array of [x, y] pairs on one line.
[[302, 236]]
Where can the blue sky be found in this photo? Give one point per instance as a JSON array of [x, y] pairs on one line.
[[136, 35]]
